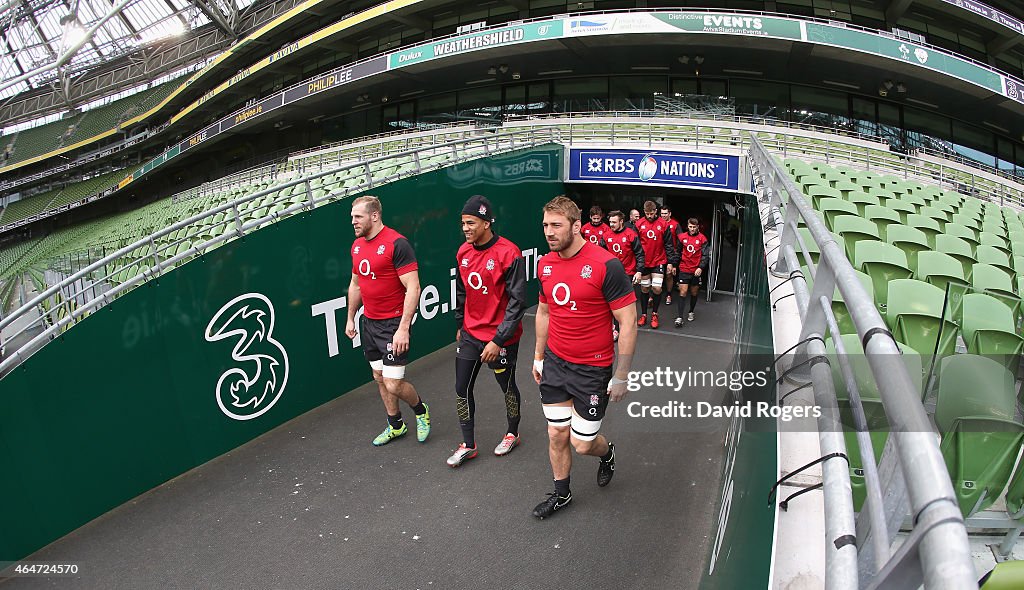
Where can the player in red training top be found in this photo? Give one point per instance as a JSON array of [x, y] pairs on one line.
[[595, 231], [624, 243], [655, 238], [490, 303], [690, 262], [673, 225], [385, 281], [582, 287]]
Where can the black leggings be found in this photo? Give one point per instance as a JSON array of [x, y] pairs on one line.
[[466, 371]]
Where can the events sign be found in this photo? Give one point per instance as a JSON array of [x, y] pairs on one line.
[[665, 168]]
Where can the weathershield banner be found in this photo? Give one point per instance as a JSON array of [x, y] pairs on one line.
[[682, 169], [503, 36]]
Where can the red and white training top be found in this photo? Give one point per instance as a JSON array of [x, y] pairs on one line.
[[491, 291], [595, 234], [377, 263], [655, 238], [625, 245], [691, 252], [581, 293]]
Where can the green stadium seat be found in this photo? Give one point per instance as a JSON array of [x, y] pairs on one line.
[[909, 239], [929, 225], [989, 329], [965, 233], [843, 318], [871, 401], [830, 208], [980, 439], [1007, 575], [818, 192], [862, 200], [935, 213], [883, 263], [914, 313], [958, 248], [959, 219], [901, 207], [986, 277], [915, 200], [996, 257], [853, 228], [882, 217], [990, 239], [846, 188], [939, 269]]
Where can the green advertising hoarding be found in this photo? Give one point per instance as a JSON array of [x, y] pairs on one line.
[[140, 391], [733, 24], [904, 51], [740, 553]]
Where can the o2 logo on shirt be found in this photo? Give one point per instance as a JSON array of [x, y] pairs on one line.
[[364, 269], [690, 249], [593, 239], [565, 298], [476, 282], [651, 235], [617, 247]]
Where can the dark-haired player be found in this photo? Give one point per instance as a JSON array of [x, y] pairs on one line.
[[490, 303], [595, 231], [689, 261], [673, 225]]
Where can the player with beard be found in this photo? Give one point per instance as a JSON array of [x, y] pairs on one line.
[[690, 262], [655, 238], [582, 288], [666, 216], [385, 282], [595, 231], [489, 315], [624, 243]]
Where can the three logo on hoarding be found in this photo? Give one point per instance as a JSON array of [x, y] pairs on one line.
[[249, 389]]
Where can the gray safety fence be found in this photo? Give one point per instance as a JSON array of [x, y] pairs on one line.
[[936, 553]]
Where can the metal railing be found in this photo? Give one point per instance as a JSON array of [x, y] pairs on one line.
[[937, 553], [98, 283]]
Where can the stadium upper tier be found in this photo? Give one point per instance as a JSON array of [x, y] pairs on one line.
[[915, 53], [81, 129]]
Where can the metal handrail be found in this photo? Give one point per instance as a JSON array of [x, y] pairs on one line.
[[939, 543], [460, 150]]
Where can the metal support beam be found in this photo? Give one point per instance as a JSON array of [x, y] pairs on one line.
[[70, 52], [218, 18]]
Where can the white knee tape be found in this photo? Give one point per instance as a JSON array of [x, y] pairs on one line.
[[645, 282], [657, 280], [394, 372], [584, 429], [377, 365], [558, 415]]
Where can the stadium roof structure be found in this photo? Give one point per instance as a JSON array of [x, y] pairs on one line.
[[50, 42]]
